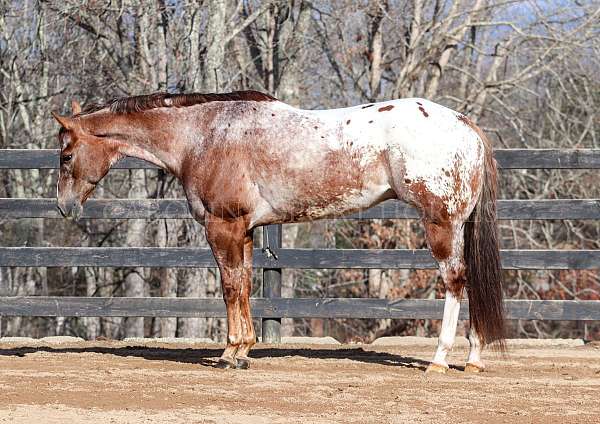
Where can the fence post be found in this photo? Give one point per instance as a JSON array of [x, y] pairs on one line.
[[271, 327]]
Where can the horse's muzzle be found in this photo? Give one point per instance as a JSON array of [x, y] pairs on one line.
[[70, 209]]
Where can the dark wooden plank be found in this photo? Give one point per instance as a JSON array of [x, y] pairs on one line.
[[98, 208], [567, 310], [271, 327], [286, 258], [48, 159], [507, 159], [551, 259], [548, 158], [391, 209], [549, 209]]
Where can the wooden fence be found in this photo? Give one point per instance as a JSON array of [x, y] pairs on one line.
[[273, 258]]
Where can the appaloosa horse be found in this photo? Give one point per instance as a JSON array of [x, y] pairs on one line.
[[246, 159]]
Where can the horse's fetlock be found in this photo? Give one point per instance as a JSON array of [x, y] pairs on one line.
[[249, 340], [234, 340], [446, 343]]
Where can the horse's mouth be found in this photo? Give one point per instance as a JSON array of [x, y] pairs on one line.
[[71, 211]]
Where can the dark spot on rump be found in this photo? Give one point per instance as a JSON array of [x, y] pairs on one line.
[[366, 106], [385, 108], [272, 114], [348, 122], [425, 114]]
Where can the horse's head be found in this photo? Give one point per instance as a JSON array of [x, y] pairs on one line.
[[84, 160]]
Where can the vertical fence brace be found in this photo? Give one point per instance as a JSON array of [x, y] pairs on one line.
[[271, 327]]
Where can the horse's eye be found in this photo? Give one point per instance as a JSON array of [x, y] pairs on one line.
[[67, 158]]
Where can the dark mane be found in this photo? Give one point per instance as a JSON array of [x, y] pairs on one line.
[[156, 100]]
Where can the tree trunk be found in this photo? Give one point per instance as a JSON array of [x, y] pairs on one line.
[[194, 284], [92, 324], [167, 237], [215, 50], [134, 282]]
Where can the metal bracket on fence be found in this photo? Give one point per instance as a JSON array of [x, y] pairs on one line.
[[269, 253], [271, 327]]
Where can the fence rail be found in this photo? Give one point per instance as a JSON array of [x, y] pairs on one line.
[[185, 257], [392, 209], [564, 310], [271, 307], [507, 159]]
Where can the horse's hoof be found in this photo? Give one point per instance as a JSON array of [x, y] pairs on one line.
[[242, 363], [226, 364], [473, 368], [436, 368]]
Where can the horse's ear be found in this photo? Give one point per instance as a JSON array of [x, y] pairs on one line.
[[65, 121], [75, 107]]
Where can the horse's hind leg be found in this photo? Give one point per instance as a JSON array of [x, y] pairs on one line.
[[474, 363], [446, 243], [226, 239]]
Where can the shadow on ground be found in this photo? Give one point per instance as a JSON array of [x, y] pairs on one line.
[[208, 356]]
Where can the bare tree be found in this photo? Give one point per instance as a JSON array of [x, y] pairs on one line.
[[525, 71]]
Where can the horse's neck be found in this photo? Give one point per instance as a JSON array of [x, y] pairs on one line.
[[145, 138], [147, 150]]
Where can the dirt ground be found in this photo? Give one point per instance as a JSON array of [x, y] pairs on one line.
[[110, 382]]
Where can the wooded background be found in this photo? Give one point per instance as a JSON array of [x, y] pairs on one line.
[[528, 72]]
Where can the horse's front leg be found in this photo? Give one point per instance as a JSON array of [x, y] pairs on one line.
[[226, 239], [248, 334]]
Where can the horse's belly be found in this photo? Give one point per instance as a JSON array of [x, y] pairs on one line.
[[340, 205], [319, 204]]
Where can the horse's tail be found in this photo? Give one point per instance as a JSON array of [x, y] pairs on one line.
[[482, 257]]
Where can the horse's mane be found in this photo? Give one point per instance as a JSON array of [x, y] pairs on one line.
[[151, 101]]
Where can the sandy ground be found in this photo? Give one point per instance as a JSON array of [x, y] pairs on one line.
[[109, 382]]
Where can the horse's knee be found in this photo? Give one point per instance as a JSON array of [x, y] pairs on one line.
[[232, 286], [230, 293]]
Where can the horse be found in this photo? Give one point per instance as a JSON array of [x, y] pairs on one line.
[[246, 159]]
